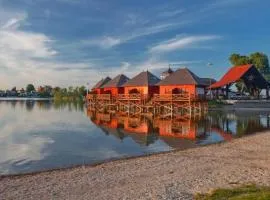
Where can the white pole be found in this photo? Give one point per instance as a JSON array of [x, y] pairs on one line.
[[87, 88], [211, 96]]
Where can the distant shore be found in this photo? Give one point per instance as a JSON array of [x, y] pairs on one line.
[[173, 175], [25, 99]]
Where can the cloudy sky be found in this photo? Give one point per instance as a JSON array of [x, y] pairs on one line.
[[72, 42]]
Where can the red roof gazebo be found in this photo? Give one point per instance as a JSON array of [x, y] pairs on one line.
[[249, 74]]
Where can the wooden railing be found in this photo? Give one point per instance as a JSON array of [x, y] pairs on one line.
[[146, 98], [131, 97], [106, 97], [173, 97], [91, 97]]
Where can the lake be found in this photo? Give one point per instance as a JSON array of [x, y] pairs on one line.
[[42, 135]]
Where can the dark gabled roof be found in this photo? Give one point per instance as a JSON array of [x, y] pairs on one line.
[[208, 81], [102, 82], [183, 76], [143, 79], [248, 73], [117, 81]]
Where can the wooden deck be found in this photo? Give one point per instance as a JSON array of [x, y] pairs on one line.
[[168, 105]]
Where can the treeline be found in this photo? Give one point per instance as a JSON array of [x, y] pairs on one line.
[[69, 94], [66, 94]]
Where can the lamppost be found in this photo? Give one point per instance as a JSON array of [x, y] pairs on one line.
[[210, 65], [87, 88]]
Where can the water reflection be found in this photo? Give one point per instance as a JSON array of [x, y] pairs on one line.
[[40, 135], [181, 133]]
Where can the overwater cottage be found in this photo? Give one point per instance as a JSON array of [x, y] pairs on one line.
[[184, 81], [144, 84], [97, 89], [115, 86]]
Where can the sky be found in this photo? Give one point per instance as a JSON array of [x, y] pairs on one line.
[[75, 42]]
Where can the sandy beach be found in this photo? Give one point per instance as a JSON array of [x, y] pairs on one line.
[[173, 175]]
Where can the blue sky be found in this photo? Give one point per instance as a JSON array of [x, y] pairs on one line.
[[72, 42]]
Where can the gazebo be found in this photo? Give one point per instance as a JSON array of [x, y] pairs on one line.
[[250, 76]]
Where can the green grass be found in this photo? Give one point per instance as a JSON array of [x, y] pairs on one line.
[[248, 192], [215, 103]]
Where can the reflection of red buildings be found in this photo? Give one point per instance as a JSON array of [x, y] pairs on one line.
[[135, 125], [176, 129]]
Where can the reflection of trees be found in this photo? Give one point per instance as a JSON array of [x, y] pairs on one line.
[[70, 105], [29, 105], [246, 123], [13, 104]]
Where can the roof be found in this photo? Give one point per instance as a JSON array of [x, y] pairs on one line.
[[117, 81], [234, 74], [102, 82], [183, 76], [143, 79]]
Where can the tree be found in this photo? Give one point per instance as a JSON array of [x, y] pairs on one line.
[[260, 60], [237, 59], [30, 88]]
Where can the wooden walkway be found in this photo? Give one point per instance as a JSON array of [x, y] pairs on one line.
[[168, 105]]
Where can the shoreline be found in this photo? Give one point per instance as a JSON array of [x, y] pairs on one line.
[[24, 99], [175, 174]]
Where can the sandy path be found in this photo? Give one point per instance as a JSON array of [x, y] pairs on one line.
[[174, 175]]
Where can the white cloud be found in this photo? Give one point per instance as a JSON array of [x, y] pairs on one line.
[[171, 13], [110, 41], [104, 42], [181, 43], [29, 57]]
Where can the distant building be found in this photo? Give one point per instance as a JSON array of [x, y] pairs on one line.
[[166, 73]]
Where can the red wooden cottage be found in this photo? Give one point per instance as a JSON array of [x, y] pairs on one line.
[[144, 83], [115, 86], [183, 80], [97, 89]]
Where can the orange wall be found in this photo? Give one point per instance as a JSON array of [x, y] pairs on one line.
[[114, 91], [97, 90], [168, 89]]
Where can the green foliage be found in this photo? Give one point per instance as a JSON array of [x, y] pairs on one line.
[[260, 60], [69, 94], [248, 192], [30, 88], [237, 59]]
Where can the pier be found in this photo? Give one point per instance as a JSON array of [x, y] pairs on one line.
[[183, 105]]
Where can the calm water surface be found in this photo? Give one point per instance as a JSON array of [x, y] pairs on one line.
[[37, 136]]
